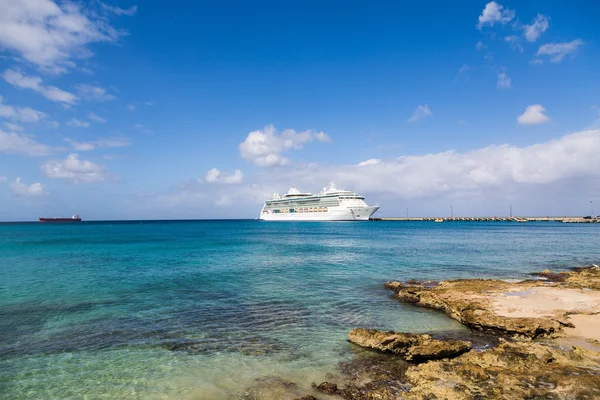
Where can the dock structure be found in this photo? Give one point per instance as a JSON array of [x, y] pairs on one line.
[[580, 220]]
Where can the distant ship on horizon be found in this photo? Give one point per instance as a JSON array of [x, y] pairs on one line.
[[74, 218]]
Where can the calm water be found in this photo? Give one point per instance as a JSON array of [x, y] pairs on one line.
[[201, 309]]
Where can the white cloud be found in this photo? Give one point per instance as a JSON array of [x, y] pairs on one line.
[[493, 13], [557, 51], [20, 114], [265, 147], [149, 103], [480, 46], [75, 170], [50, 35], [515, 42], [372, 161], [93, 93], [420, 112], [14, 143], [450, 173], [215, 176], [20, 189], [503, 81], [536, 61], [533, 115], [539, 26], [120, 11], [322, 137], [3, 178], [131, 107], [76, 123], [16, 78], [462, 71], [13, 127], [97, 144], [96, 118]]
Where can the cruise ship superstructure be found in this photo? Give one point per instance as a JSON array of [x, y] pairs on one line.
[[332, 204]]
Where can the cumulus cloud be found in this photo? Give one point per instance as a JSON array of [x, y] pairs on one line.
[[17, 79], [539, 26], [96, 118], [51, 35], [494, 13], [265, 147], [20, 114], [503, 81], [13, 127], [3, 178], [75, 170], [76, 123], [93, 93], [449, 172], [97, 144], [421, 112], [533, 115], [372, 161], [558, 51], [215, 176], [20, 189], [515, 42], [15, 143]]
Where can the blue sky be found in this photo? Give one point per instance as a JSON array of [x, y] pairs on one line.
[[124, 110]]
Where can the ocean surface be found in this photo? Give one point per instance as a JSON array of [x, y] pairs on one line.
[[211, 309]]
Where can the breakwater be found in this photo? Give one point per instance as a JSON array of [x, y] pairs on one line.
[[492, 219]]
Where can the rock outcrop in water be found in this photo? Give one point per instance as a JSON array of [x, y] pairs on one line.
[[409, 346], [530, 363], [564, 304], [531, 308]]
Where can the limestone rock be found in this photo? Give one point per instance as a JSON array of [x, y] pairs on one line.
[[528, 308], [410, 346]]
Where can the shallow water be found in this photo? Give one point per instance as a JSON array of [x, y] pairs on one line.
[[206, 309]]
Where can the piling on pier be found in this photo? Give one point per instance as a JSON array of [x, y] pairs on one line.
[[579, 220]]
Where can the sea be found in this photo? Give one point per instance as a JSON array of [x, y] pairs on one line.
[[219, 309]]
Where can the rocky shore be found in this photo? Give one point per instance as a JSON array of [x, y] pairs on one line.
[[544, 343]]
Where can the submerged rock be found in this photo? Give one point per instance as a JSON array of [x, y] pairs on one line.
[[273, 387], [410, 346]]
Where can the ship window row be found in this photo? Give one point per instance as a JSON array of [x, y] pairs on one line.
[[296, 205], [299, 210]]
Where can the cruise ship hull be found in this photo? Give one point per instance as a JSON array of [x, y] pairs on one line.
[[356, 214]]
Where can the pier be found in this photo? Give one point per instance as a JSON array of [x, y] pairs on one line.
[[577, 220]]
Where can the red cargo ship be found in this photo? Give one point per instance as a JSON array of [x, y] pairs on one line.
[[74, 218]]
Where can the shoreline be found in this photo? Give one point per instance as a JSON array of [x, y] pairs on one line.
[[534, 338]]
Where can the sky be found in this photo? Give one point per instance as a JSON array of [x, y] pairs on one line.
[[169, 110]]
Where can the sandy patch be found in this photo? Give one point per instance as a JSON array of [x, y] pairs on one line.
[[545, 301], [586, 326]]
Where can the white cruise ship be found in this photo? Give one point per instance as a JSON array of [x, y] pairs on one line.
[[332, 204]]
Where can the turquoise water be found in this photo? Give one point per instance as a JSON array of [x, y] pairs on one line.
[[202, 309]]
